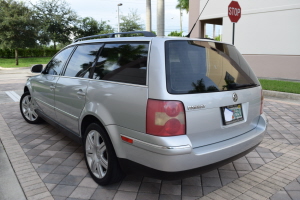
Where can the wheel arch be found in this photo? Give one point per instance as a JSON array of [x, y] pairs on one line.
[[87, 120], [111, 132], [26, 89]]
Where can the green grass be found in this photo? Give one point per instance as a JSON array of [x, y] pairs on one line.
[[281, 86], [23, 62]]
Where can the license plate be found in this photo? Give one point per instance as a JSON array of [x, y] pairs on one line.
[[232, 114]]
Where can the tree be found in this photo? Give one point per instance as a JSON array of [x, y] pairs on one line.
[[131, 22], [105, 28], [86, 27], [182, 5], [89, 26], [57, 21], [218, 38], [175, 33], [17, 26]]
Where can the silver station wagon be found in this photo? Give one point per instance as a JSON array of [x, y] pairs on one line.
[[165, 107]]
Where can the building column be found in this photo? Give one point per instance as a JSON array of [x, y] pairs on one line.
[[194, 12]]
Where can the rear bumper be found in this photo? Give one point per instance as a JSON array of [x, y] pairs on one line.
[[129, 166], [184, 158]]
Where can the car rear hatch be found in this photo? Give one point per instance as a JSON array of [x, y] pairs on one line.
[[221, 94]]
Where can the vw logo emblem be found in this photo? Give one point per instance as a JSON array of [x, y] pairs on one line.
[[235, 97]]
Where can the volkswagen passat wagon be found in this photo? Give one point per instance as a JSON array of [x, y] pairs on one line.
[[167, 107]]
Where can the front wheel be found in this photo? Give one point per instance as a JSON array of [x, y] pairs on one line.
[[27, 107], [100, 156]]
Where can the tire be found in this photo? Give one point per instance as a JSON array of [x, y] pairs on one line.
[[27, 107], [100, 157]]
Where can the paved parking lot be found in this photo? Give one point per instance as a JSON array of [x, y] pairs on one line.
[[59, 164], [49, 165]]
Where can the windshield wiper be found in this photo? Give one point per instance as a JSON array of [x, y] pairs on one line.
[[238, 86]]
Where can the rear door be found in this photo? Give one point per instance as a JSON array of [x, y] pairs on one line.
[[71, 88], [219, 90], [43, 86], [118, 94]]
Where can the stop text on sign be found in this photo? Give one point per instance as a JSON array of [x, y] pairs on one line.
[[234, 11]]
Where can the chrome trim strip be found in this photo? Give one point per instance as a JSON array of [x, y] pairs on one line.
[[158, 146], [63, 112], [120, 83], [73, 116], [44, 103], [72, 77]]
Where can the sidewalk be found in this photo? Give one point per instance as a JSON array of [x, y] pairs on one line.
[[10, 188]]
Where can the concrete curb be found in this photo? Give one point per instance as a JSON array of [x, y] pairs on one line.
[[14, 68], [281, 95]]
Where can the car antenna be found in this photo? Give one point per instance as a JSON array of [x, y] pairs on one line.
[[188, 35]]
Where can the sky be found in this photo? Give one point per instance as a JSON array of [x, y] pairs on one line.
[[106, 10]]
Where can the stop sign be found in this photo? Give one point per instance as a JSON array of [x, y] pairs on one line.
[[234, 11]]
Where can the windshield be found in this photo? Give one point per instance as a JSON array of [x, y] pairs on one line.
[[200, 67]]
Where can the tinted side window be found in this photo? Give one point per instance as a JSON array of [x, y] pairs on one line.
[[82, 60], [123, 62], [55, 66]]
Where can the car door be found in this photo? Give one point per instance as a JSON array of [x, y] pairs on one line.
[[43, 86], [72, 86]]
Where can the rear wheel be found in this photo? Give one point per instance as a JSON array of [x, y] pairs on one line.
[[100, 156], [27, 107]]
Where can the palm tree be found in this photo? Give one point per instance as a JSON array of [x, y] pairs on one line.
[[182, 5], [148, 16]]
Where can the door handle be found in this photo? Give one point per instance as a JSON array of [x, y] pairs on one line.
[[81, 93]]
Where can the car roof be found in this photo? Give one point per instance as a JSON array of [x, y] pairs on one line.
[[137, 39]]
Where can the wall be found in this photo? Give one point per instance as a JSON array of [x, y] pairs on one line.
[[275, 66], [267, 34], [193, 16]]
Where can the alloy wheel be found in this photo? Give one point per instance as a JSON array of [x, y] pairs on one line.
[[28, 108], [96, 154]]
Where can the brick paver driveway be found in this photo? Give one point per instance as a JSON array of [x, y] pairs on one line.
[[54, 165]]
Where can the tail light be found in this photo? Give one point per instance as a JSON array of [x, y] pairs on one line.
[[165, 118], [262, 103]]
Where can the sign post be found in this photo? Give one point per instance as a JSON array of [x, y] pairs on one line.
[[234, 14]]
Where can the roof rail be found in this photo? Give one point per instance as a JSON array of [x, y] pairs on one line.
[[112, 35], [207, 38]]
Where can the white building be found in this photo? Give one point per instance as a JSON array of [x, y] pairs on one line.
[[267, 34]]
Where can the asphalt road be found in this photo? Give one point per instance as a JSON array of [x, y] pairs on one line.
[[13, 78]]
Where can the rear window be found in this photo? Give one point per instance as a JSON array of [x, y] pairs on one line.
[[201, 67]]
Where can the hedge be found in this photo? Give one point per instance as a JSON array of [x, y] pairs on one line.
[[26, 53]]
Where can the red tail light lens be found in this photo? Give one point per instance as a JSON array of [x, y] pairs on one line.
[[165, 118], [262, 103]]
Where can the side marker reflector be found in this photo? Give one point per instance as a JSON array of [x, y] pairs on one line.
[[127, 139]]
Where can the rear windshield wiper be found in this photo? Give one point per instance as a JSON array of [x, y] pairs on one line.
[[238, 86]]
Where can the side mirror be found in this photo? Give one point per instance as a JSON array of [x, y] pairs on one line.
[[37, 68]]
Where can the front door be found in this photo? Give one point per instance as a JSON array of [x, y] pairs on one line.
[[71, 88], [43, 86]]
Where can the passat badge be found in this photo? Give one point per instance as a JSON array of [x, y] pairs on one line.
[[196, 107]]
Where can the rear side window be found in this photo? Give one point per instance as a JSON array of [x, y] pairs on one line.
[[82, 60], [55, 66], [123, 62], [200, 67]]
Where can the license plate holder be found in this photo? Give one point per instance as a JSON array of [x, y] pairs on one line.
[[232, 114]]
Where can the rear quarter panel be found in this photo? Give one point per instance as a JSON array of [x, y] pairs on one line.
[[117, 104]]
